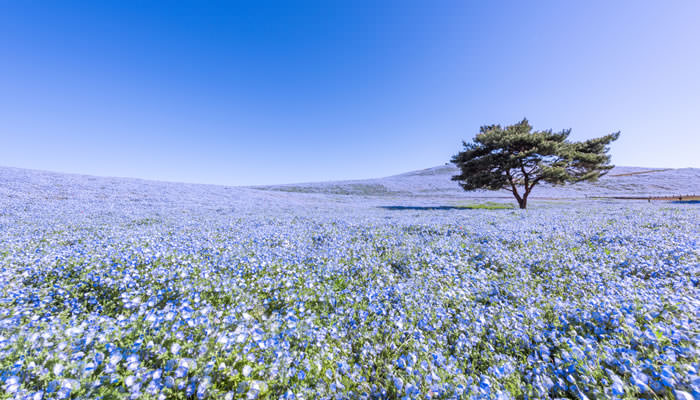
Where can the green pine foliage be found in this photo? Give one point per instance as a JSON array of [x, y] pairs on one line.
[[517, 158]]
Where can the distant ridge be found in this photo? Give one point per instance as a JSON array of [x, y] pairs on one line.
[[641, 172], [436, 181]]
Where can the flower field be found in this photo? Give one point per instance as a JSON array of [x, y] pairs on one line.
[[213, 293]]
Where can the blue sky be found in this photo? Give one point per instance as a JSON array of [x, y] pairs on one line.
[[275, 92]]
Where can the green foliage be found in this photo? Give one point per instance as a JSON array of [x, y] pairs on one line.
[[516, 156], [489, 205]]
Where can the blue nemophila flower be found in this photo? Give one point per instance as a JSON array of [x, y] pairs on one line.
[[36, 396], [203, 387], [66, 387], [682, 395], [12, 384], [334, 298], [256, 387], [398, 383]]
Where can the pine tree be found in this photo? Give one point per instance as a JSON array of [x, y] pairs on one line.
[[517, 158]]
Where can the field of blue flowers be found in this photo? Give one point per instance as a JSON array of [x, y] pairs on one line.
[[217, 294]]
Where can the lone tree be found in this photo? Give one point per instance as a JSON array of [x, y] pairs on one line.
[[516, 156]]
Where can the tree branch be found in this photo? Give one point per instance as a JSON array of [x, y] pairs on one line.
[[514, 188], [527, 178]]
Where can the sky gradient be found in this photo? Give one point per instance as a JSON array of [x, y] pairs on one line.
[[267, 92]]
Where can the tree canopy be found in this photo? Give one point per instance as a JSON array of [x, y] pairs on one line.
[[517, 158]]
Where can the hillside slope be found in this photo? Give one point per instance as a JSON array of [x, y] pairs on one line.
[[38, 186], [620, 181]]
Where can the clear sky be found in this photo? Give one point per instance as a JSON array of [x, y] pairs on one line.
[[273, 92]]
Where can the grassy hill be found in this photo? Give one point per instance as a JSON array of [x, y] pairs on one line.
[[430, 182]]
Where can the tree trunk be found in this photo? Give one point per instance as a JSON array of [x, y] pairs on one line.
[[523, 203]]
